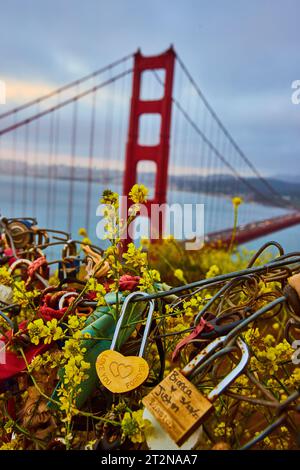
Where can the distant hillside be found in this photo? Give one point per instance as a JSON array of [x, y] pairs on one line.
[[229, 185], [220, 184], [288, 178]]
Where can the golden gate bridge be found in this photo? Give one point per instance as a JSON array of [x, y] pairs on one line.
[[79, 133]]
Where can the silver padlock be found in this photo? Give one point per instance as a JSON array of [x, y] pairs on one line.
[[176, 409], [121, 320], [118, 373]]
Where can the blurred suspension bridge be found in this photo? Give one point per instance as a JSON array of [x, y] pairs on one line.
[[59, 151]]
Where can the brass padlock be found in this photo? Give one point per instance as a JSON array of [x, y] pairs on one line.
[[176, 407], [119, 373]]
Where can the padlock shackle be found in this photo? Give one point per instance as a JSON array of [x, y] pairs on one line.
[[204, 354], [207, 352], [121, 319], [213, 395], [64, 296]]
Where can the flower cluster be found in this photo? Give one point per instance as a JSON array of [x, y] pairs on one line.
[[134, 426], [48, 332], [5, 276]]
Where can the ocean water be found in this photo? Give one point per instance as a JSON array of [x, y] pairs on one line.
[[48, 201]]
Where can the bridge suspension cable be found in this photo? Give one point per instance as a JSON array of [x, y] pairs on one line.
[[214, 149], [66, 87], [45, 151], [77, 97], [228, 134], [218, 154]]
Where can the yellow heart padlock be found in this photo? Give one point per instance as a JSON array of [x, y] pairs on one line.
[[118, 373]]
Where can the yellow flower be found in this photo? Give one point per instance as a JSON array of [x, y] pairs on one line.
[[72, 348], [36, 363], [269, 340], [90, 444], [178, 273], [133, 426], [5, 277], [236, 201], [75, 371], [213, 271], [82, 232], [138, 193], [37, 330], [110, 198], [149, 277], [54, 332], [86, 241], [154, 275], [135, 257], [73, 322], [295, 378], [22, 296]]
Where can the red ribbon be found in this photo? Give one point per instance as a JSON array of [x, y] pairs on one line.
[[202, 325], [15, 364]]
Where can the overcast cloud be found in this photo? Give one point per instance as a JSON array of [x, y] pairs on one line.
[[244, 55]]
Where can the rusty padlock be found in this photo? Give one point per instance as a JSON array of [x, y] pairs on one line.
[[175, 407], [20, 231]]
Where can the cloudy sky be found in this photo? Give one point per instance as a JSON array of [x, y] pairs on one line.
[[244, 55]]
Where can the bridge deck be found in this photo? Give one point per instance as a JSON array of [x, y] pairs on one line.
[[246, 233]]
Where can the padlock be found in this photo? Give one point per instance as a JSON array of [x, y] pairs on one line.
[[64, 296], [175, 407], [69, 265], [68, 269], [21, 231], [119, 373]]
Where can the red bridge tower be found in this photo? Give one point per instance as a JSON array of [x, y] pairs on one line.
[[159, 154]]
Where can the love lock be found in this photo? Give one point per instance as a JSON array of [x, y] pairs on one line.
[[20, 231], [119, 373], [69, 265], [175, 407]]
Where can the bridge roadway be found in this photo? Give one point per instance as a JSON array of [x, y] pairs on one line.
[[246, 233]]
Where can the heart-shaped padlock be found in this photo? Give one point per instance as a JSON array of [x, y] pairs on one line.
[[119, 373]]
